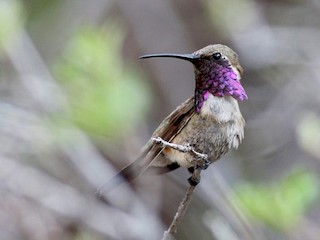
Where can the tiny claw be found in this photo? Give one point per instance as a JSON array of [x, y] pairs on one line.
[[193, 182], [203, 164]]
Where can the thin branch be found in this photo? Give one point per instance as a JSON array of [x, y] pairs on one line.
[[168, 234], [181, 148], [200, 163]]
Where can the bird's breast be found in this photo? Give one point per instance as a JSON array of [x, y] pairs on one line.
[[216, 129]]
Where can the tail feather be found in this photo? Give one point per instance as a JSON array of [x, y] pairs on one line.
[[127, 174], [138, 167]]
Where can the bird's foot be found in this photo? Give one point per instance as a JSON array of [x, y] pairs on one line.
[[202, 164]]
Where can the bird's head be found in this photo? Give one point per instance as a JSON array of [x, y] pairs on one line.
[[217, 71]]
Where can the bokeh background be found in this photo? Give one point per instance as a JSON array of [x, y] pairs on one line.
[[77, 105]]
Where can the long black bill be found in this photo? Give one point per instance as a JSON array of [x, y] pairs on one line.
[[189, 57]]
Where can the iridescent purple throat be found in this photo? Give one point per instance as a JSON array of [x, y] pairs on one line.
[[220, 81]]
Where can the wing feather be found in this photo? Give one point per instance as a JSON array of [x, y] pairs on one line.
[[167, 130]]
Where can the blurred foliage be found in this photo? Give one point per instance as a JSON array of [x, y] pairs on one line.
[[11, 20], [220, 13], [39, 8], [280, 204], [106, 94], [308, 132]]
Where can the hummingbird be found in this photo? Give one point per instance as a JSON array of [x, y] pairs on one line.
[[210, 121]]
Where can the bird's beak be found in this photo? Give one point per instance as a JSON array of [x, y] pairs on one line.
[[189, 57]]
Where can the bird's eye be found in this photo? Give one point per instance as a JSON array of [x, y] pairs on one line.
[[217, 56]]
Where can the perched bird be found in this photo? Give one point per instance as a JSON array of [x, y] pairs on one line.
[[210, 122]]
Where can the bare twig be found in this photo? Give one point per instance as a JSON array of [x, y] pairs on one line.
[[201, 162], [181, 148], [168, 234]]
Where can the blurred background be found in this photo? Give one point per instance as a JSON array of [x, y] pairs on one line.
[[77, 105]]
